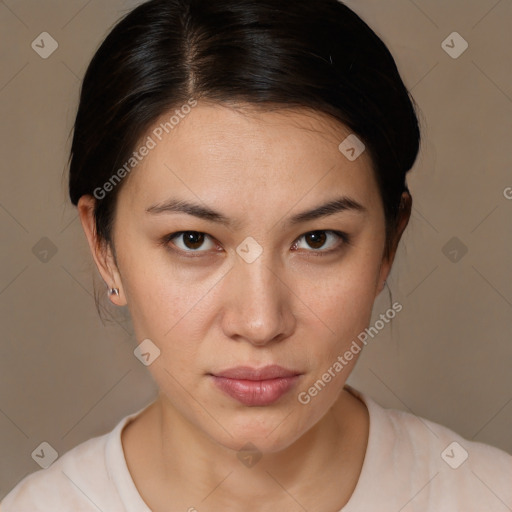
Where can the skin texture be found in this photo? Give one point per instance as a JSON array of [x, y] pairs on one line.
[[290, 307]]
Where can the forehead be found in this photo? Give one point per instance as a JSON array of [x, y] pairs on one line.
[[244, 129], [217, 151]]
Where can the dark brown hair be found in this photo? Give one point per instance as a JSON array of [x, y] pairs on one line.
[[316, 54]]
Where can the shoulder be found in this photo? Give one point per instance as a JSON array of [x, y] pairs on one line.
[[79, 480], [414, 464], [426, 438], [454, 471]]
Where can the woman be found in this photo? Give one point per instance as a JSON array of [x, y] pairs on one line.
[[239, 167]]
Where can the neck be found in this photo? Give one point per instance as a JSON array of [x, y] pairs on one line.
[[194, 465]]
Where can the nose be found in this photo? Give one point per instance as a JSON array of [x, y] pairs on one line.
[[258, 306]]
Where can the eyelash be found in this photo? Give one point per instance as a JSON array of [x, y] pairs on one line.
[[344, 237]]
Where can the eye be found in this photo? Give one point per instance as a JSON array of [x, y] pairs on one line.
[[190, 241], [318, 239]]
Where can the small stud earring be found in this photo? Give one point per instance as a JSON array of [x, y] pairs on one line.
[[113, 291]]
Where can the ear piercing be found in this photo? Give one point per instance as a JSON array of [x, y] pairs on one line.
[[113, 291]]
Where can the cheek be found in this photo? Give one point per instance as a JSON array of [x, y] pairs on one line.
[[170, 304], [344, 304], [344, 299], [161, 306], [156, 295]]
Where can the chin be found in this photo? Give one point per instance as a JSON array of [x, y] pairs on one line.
[[259, 442], [269, 431]]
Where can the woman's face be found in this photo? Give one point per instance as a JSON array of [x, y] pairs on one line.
[[259, 282]]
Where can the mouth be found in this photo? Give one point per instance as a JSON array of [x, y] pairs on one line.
[[256, 386]]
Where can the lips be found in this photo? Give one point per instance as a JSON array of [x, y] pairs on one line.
[[247, 373], [256, 386]]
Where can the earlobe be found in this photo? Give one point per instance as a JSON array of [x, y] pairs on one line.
[[100, 250], [404, 214], [115, 296], [382, 277]]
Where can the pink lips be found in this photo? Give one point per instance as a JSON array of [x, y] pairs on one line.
[[252, 386]]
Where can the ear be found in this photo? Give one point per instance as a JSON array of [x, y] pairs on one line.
[[100, 249], [404, 214]]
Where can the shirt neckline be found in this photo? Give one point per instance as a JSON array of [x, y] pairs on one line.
[[117, 467], [377, 428]]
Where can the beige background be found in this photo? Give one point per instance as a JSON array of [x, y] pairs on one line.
[[65, 377]]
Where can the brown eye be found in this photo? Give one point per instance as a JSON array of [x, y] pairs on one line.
[[322, 242], [316, 239], [191, 241]]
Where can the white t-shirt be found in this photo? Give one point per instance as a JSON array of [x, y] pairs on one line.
[[411, 464]]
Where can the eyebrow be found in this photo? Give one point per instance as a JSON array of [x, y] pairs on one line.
[[341, 204]]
